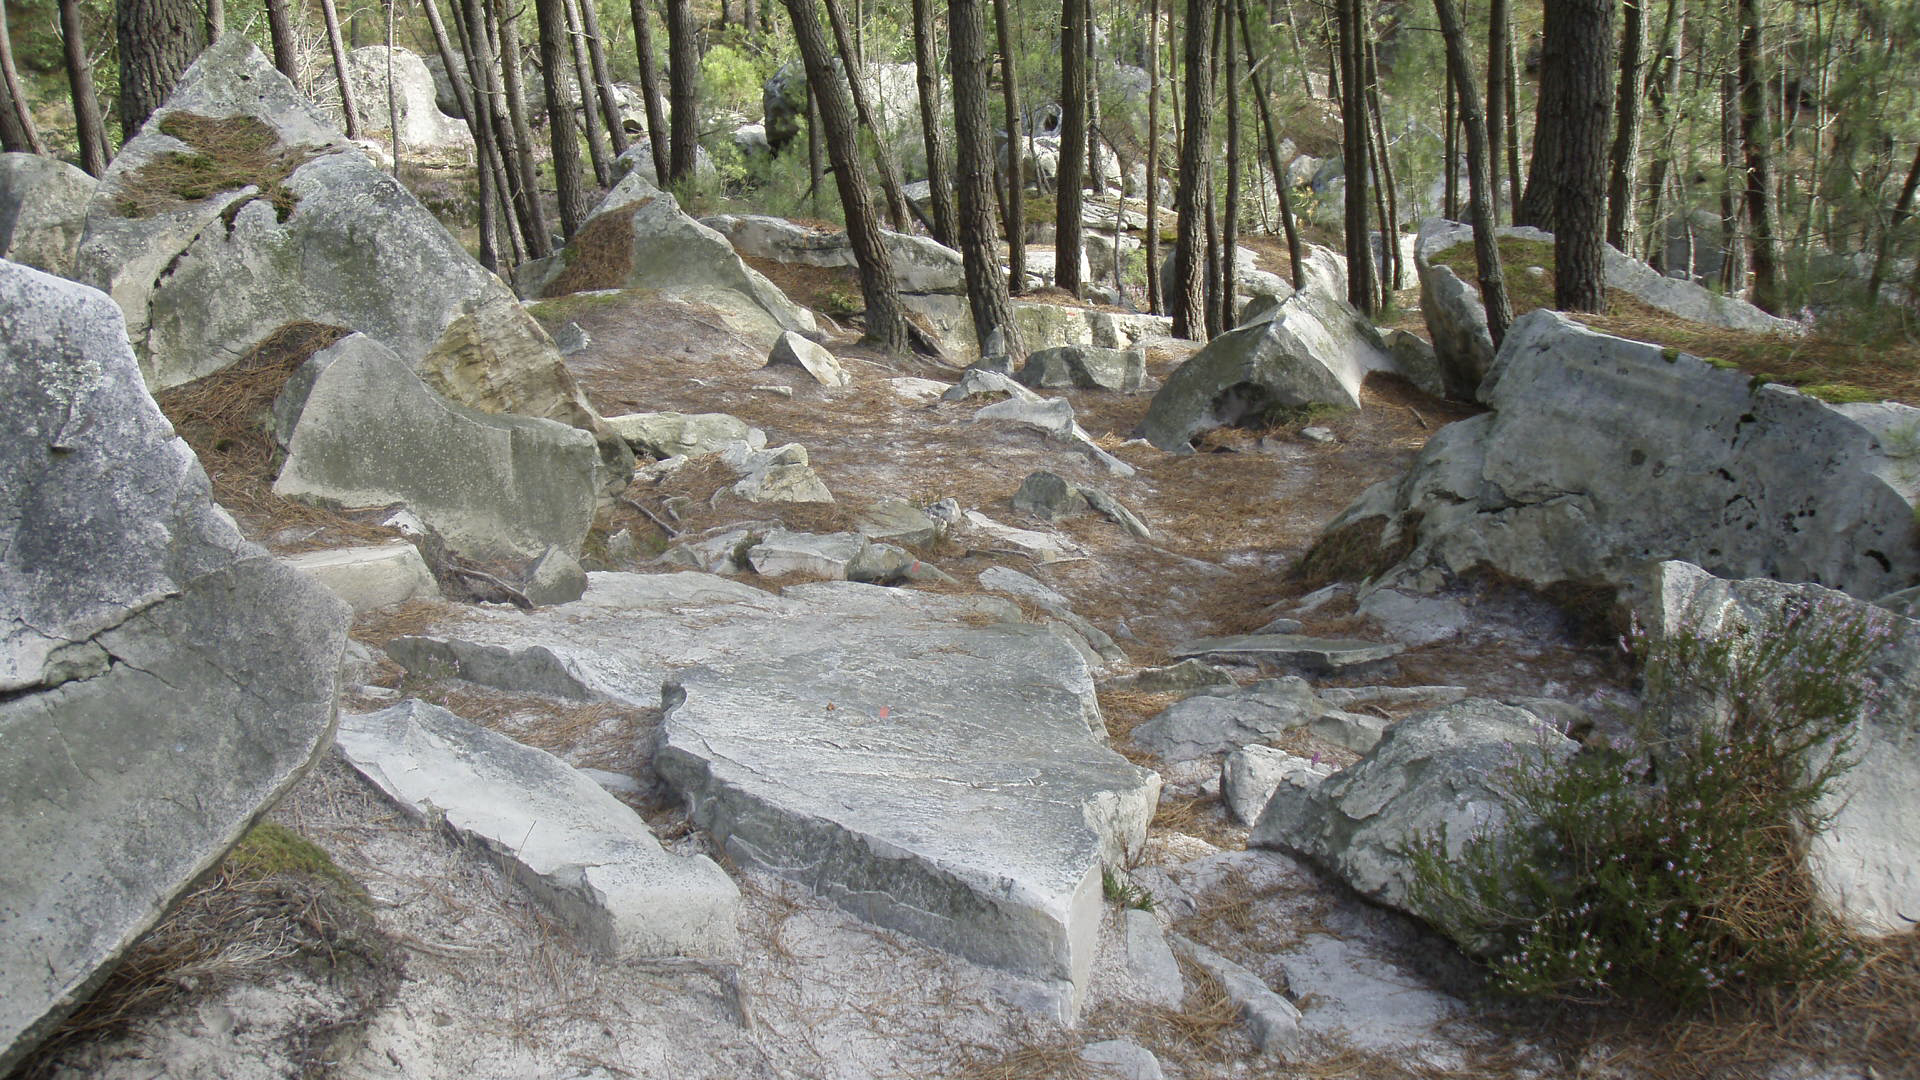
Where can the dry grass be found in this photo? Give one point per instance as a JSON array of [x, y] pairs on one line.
[[600, 256], [1055, 1060], [1204, 816], [1204, 1035], [376, 628], [227, 153], [1828, 363]]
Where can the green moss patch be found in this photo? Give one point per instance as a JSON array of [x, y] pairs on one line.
[[225, 154]]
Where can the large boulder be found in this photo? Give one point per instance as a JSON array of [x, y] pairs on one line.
[[1434, 776], [638, 238], [1602, 454], [43, 205], [1314, 349], [930, 763], [298, 226], [920, 264], [1867, 863], [162, 681], [364, 430], [1457, 320], [423, 126]]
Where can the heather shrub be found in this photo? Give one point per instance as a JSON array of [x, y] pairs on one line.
[[1671, 862]]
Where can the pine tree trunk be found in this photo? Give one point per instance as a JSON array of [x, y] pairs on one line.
[[494, 152], [216, 20], [1512, 124], [1754, 137], [89, 127], [1449, 153], [659, 139], [1188, 299], [973, 144], [590, 115], [1069, 211], [926, 71], [507, 90], [886, 319], [1482, 177], [158, 39], [286, 55], [1536, 204], [17, 132], [349, 109], [568, 180], [471, 22], [1660, 92], [1230, 213], [1388, 197], [1902, 210], [1153, 156], [1499, 33], [393, 94], [1625, 164], [1278, 167], [1585, 50], [1016, 174], [816, 153], [603, 76], [863, 110], [683, 78], [1361, 292]]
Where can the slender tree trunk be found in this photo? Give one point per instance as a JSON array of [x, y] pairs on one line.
[[1353, 116], [493, 153], [1499, 46], [659, 139], [216, 20], [1230, 219], [393, 94], [471, 24], [17, 132], [158, 39], [1733, 267], [816, 153], [1153, 156], [603, 76], [1016, 175], [286, 55], [1585, 29], [973, 144], [1189, 298], [1754, 136], [1902, 210], [1536, 206], [1661, 91], [1073, 147], [926, 71], [89, 128], [1512, 124], [863, 109], [1481, 178], [1278, 167], [590, 116], [886, 319], [683, 77], [1625, 163], [349, 109], [506, 89], [1388, 198], [1449, 153], [568, 180]]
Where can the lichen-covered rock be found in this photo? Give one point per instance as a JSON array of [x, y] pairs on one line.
[[162, 681], [300, 227], [43, 205], [1602, 454]]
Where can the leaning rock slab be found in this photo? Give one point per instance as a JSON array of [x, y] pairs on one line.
[[796, 351], [1311, 654], [919, 768], [370, 432], [583, 854], [676, 434], [370, 578], [162, 681], [43, 206]]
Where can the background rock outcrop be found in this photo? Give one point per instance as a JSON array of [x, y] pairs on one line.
[[43, 205]]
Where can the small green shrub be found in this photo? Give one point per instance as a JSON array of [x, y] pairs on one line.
[[1672, 863], [1123, 892]]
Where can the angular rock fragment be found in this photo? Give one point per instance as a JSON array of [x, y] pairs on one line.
[[1085, 366], [370, 578], [43, 206], [781, 474], [675, 434], [793, 350], [1317, 656]]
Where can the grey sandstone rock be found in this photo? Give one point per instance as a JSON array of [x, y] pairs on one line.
[[781, 474], [1273, 1021], [676, 434], [1055, 417], [920, 265], [978, 380], [581, 853], [43, 206], [1313, 655], [897, 521], [370, 578], [1867, 863], [204, 282], [1314, 350], [423, 127], [1150, 960], [370, 432], [1187, 675], [1045, 326], [1603, 454], [1218, 719], [1417, 360], [1250, 775], [162, 681], [792, 349], [1046, 495], [1433, 774], [782, 552], [556, 577], [1121, 1060], [1039, 546], [1113, 510], [941, 795], [1085, 366]]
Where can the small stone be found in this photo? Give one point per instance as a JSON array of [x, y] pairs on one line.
[[818, 362], [1046, 495], [1317, 434]]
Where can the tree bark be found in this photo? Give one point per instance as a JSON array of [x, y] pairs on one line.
[[158, 39], [603, 76], [1388, 196], [1499, 45], [1069, 209], [286, 55], [1660, 92], [1230, 214], [886, 318], [1449, 153], [1625, 164], [659, 139], [393, 94], [590, 115], [1016, 175], [882, 150], [1584, 30], [506, 89], [17, 132], [1481, 178], [1754, 137], [1277, 166], [1902, 210], [1536, 206], [973, 144], [1153, 156], [1188, 301], [1361, 291], [494, 152], [89, 127], [926, 69], [349, 110], [683, 78], [568, 180], [216, 20]]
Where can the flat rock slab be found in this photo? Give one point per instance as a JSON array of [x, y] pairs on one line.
[[372, 577], [162, 681], [1310, 654], [926, 761], [584, 854]]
